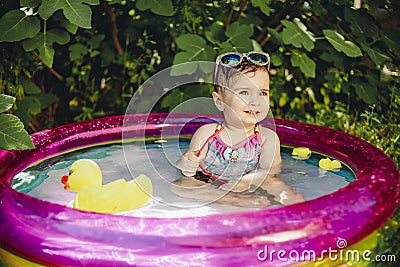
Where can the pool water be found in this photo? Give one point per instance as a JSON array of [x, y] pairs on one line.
[[156, 160]]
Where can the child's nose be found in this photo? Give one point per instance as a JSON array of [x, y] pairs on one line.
[[254, 100]]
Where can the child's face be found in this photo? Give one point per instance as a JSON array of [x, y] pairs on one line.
[[246, 102]]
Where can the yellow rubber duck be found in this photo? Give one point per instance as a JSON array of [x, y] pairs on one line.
[[328, 164], [85, 177], [301, 153]]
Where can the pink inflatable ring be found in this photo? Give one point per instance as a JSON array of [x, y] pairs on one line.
[[54, 235]]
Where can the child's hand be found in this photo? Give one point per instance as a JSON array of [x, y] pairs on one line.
[[236, 185], [188, 163]]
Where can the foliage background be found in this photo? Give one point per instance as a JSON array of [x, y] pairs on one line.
[[334, 62]]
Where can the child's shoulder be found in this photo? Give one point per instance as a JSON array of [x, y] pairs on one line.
[[266, 130], [267, 133], [206, 129]]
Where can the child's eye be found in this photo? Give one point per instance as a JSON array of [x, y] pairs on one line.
[[264, 93], [243, 92]]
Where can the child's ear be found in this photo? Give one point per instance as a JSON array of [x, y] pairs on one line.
[[218, 101]]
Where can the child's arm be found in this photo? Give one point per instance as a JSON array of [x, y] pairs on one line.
[[190, 161], [270, 158]]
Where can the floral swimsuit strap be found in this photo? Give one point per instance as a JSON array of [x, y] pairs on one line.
[[218, 129]]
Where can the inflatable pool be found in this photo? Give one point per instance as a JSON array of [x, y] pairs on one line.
[[44, 233]]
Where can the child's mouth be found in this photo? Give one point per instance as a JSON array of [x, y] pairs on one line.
[[253, 112]]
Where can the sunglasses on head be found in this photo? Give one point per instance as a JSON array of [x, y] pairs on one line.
[[233, 59]]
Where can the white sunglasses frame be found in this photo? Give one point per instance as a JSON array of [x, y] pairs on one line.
[[244, 55]]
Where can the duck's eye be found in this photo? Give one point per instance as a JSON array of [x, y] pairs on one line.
[[70, 172]]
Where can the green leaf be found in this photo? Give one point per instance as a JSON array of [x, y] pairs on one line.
[[47, 8], [242, 45], [182, 57], [226, 47], [16, 26], [366, 92], [29, 104], [216, 32], [74, 10], [29, 3], [341, 45], [172, 99], [317, 7], [329, 54], [44, 44], [391, 37], [239, 35], [70, 27], [96, 40], [194, 48], [256, 46], [239, 38], [6, 102], [29, 87], [306, 64], [190, 42], [77, 51], [13, 134], [360, 24], [46, 99], [159, 7], [181, 69], [237, 31], [276, 37], [377, 56], [107, 56], [276, 59], [26, 107], [263, 5], [91, 2], [296, 34]]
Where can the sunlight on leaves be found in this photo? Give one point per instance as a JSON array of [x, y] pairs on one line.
[[264, 6], [296, 33], [6, 102], [341, 45], [13, 134]]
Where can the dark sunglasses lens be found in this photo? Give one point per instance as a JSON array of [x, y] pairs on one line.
[[230, 59], [259, 59]]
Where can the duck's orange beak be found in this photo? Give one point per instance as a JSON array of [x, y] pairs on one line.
[[64, 180]]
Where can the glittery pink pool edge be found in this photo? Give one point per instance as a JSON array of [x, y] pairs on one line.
[[47, 233]]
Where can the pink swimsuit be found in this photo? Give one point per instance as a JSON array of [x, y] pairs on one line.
[[224, 162]]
